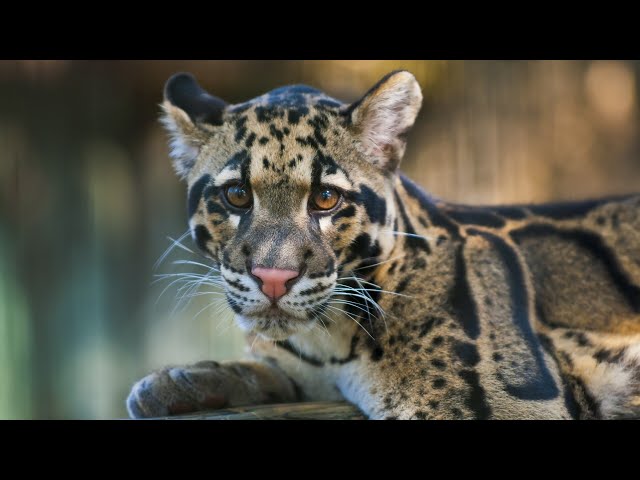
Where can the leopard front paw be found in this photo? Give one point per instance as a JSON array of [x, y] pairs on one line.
[[176, 390]]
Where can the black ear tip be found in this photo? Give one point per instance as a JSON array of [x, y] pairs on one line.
[[179, 83], [182, 90]]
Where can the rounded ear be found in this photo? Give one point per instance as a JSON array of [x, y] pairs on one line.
[[187, 107], [383, 117]]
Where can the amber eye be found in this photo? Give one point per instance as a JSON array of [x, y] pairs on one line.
[[324, 199], [238, 196]]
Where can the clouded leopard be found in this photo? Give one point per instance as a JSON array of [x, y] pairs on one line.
[[353, 283]]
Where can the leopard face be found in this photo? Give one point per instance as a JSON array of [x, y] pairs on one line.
[[289, 192]]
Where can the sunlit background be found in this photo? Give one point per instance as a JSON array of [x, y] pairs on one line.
[[88, 198]]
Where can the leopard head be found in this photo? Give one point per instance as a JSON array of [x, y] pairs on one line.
[[290, 192]]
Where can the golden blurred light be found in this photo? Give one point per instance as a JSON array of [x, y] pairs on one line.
[[352, 78], [34, 70], [610, 88]]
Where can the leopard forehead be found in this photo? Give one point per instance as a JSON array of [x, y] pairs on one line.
[[291, 138]]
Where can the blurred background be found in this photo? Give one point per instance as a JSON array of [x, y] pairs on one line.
[[88, 198]]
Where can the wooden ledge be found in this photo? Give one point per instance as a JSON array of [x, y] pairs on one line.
[[279, 411]]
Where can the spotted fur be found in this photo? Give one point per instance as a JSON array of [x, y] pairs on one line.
[[408, 306]]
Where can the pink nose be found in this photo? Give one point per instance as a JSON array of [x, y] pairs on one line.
[[274, 280]]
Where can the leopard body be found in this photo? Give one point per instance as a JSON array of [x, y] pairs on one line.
[[407, 306]]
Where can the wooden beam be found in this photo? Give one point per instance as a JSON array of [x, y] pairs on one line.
[[279, 411]]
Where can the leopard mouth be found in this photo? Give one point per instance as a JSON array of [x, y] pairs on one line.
[[276, 323], [274, 326], [275, 312]]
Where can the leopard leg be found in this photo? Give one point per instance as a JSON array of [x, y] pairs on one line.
[[208, 384], [603, 370]]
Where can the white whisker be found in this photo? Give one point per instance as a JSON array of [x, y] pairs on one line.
[[384, 291], [351, 317], [373, 302], [406, 234], [346, 302], [205, 308], [200, 294], [324, 328], [170, 248], [376, 264], [191, 262], [253, 343], [325, 315], [362, 293]]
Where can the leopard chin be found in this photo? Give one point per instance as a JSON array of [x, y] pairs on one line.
[[275, 324]]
